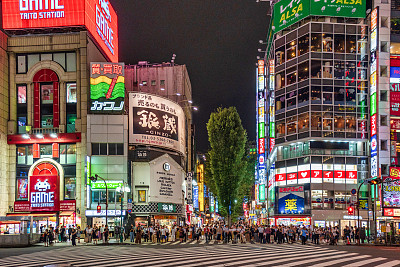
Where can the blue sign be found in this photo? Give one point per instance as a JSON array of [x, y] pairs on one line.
[[216, 206], [374, 146], [291, 204], [394, 72], [129, 200], [195, 197]]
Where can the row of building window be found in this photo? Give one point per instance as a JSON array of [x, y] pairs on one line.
[[153, 83], [66, 153], [104, 149], [67, 60]]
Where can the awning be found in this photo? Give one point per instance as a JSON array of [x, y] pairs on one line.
[[41, 214], [66, 213]]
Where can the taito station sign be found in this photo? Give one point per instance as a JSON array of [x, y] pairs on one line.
[[98, 16]]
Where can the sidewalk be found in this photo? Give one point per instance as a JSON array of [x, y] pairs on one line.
[[82, 243]]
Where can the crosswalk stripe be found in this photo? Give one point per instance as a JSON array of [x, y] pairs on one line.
[[365, 262], [389, 264], [317, 258], [217, 259], [340, 261]]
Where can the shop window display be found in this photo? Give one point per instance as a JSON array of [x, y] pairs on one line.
[[304, 43], [315, 95], [291, 125], [339, 95], [70, 187], [280, 129], [315, 121], [316, 42], [339, 122], [291, 50], [280, 103], [303, 71], [327, 42], [339, 43], [303, 96], [327, 98], [304, 122], [315, 69], [280, 56]]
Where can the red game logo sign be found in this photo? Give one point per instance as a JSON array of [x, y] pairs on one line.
[[44, 193], [98, 16]]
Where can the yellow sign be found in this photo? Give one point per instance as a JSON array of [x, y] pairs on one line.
[[291, 205]]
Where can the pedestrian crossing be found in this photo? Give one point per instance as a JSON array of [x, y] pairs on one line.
[[220, 255]]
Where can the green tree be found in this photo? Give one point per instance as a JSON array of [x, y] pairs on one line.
[[227, 161]]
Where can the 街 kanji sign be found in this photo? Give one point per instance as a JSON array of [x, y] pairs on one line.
[[156, 121]]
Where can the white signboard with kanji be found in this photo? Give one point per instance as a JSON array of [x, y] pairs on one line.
[[156, 121]]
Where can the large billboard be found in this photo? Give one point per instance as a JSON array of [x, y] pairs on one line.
[[291, 200], [288, 12], [156, 121], [391, 189], [98, 16], [107, 87], [44, 193]]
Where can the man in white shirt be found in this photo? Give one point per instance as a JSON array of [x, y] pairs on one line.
[[261, 233]]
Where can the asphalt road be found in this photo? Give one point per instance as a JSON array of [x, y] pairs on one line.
[[195, 254]]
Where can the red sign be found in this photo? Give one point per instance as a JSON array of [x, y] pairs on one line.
[[291, 189], [245, 206], [292, 176], [304, 175], [98, 16], [44, 193], [328, 174], [340, 174], [373, 125], [391, 212], [395, 103], [280, 177], [394, 173], [68, 205], [395, 124], [21, 206], [316, 174], [351, 175], [261, 145], [271, 144]]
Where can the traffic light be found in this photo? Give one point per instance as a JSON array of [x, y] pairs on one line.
[[98, 208], [376, 181], [350, 210]]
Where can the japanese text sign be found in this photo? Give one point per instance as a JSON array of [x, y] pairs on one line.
[[44, 193]]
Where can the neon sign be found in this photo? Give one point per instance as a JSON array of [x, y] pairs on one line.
[[98, 16]]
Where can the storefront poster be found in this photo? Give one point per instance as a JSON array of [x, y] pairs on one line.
[[22, 187], [44, 193], [395, 103], [195, 197]]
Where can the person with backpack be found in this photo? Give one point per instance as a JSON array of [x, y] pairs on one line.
[[304, 234]]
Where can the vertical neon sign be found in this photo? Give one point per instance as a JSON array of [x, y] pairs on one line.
[[271, 105], [261, 121], [373, 93]]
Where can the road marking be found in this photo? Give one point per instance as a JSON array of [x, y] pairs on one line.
[[362, 263], [341, 260], [389, 264]]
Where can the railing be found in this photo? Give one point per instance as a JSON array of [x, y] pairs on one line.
[[321, 152], [45, 130]]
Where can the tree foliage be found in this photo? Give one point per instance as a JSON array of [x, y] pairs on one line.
[[227, 164]]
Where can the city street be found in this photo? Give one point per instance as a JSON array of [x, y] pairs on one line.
[[200, 255]]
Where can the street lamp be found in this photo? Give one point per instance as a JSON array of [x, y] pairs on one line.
[[94, 179], [122, 189]]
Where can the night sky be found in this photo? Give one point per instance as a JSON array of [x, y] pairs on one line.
[[216, 39]]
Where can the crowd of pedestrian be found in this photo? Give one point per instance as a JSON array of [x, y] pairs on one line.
[[246, 233]]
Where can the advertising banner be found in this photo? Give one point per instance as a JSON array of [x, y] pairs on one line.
[[291, 200], [156, 121], [44, 193], [107, 87], [98, 16], [339, 8], [288, 12], [189, 188], [261, 190], [195, 197], [391, 191]]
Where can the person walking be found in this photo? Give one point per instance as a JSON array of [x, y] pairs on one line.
[[78, 234], [73, 236], [46, 238], [131, 234], [303, 234], [106, 233]]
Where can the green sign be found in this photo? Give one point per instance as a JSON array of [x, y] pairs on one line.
[[272, 129], [166, 208], [262, 192], [261, 130], [110, 184], [288, 12], [373, 104], [339, 8]]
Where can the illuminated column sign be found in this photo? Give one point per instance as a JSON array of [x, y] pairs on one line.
[[373, 93], [261, 121], [271, 105]]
